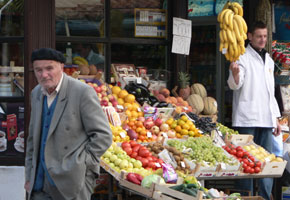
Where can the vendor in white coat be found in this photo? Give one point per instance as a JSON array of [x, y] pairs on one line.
[[255, 109]]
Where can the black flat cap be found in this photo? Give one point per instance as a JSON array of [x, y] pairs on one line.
[[47, 54]]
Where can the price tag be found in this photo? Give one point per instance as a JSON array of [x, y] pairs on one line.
[[122, 134], [215, 104], [149, 134], [139, 80], [157, 164], [185, 108], [224, 51], [220, 133], [120, 107], [267, 160], [182, 164], [199, 184], [223, 166], [139, 109], [200, 131], [165, 135]]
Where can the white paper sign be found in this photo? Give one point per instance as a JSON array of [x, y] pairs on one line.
[[181, 27], [180, 45]]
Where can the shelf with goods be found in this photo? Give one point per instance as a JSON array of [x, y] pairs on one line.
[[142, 120]]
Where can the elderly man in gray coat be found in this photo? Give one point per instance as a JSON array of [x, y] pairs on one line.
[[68, 133]]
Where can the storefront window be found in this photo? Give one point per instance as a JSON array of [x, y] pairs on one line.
[[11, 129], [149, 56], [11, 18], [123, 16], [82, 18], [90, 53], [11, 70]]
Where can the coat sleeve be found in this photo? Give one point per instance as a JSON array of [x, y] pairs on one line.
[[29, 149], [96, 126]]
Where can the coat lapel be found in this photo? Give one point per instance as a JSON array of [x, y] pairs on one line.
[[60, 105]]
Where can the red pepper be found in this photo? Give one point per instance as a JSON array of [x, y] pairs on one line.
[[132, 178], [139, 177]]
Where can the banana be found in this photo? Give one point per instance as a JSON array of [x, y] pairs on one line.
[[221, 46], [230, 19], [224, 33], [222, 13], [226, 46], [245, 28], [230, 36], [239, 7], [227, 56], [225, 19], [235, 9], [227, 5], [81, 59], [243, 50], [77, 62], [221, 36], [237, 31]]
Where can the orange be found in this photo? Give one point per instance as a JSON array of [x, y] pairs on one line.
[[178, 128], [130, 98], [178, 135], [180, 122], [116, 89], [139, 124], [128, 113], [138, 129], [192, 127], [140, 114], [143, 132], [128, 106], [173, 125], [185, 126], [122, 94], [134, 114], [191, 133], [169, 121], [184, 132], [184, 118], [120, 101]]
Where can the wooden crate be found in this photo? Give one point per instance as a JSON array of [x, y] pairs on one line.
[[166, 191], [274, 168], [137, 188], [107, 168]]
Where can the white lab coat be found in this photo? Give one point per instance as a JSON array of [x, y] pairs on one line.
[[254, 103]]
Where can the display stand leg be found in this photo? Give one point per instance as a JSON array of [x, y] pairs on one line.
[[111, 188]]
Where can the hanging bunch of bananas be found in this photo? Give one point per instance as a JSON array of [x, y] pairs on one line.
[[233, 31], [80, 61]]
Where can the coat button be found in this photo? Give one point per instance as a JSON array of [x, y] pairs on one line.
[[65, 147], [67, 128]]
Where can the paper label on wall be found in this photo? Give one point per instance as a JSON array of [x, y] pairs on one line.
[[180, 45], [181, 27]]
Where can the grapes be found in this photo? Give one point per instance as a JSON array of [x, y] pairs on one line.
[[204, 124], [225, 130], [202, 149]]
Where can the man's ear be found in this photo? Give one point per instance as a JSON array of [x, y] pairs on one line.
[[250, 36]]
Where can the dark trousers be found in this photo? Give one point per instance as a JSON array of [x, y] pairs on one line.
[[262, 137]]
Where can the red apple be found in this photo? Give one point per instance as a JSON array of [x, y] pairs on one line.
[[158, 122], [104, 94], [111, 97], [155, 130], [104, 88], [104, 103], [105, 98], [148, 124], [98, 89]]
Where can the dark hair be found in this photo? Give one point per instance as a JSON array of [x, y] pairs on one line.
[[47, 54], [257, 25]]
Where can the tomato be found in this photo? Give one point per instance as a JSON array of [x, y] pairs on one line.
[[150, 154], [248, 169], [251, 164], [149, 158], [128, 150], [246, 154], [232, 146], [228, 149], [134, 154], [233, 152], [252, 171], [240, 154], [136, 148], [143, 152], [152, 165], [258, 164], [154, 158], [245, 165], [252, 158], [245, 160], [160, 161], [240, 159], [133, 143], [239, 148], [144, 162], [138, 158], [257, 169], [125, 145]]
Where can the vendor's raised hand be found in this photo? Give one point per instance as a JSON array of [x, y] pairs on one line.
[[234, 67]]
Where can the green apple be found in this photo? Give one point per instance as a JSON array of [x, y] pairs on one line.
[[113, 158], [137, 164], [117, 161], [111, 165], [107, 154], [130, 165], [124, 164]]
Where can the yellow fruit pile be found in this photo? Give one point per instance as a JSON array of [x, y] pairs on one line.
[[233, 31], [183, 126], [119, 134], [132, 108]]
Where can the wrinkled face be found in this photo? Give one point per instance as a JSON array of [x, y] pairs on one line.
[[258, 38], [48, 73]]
